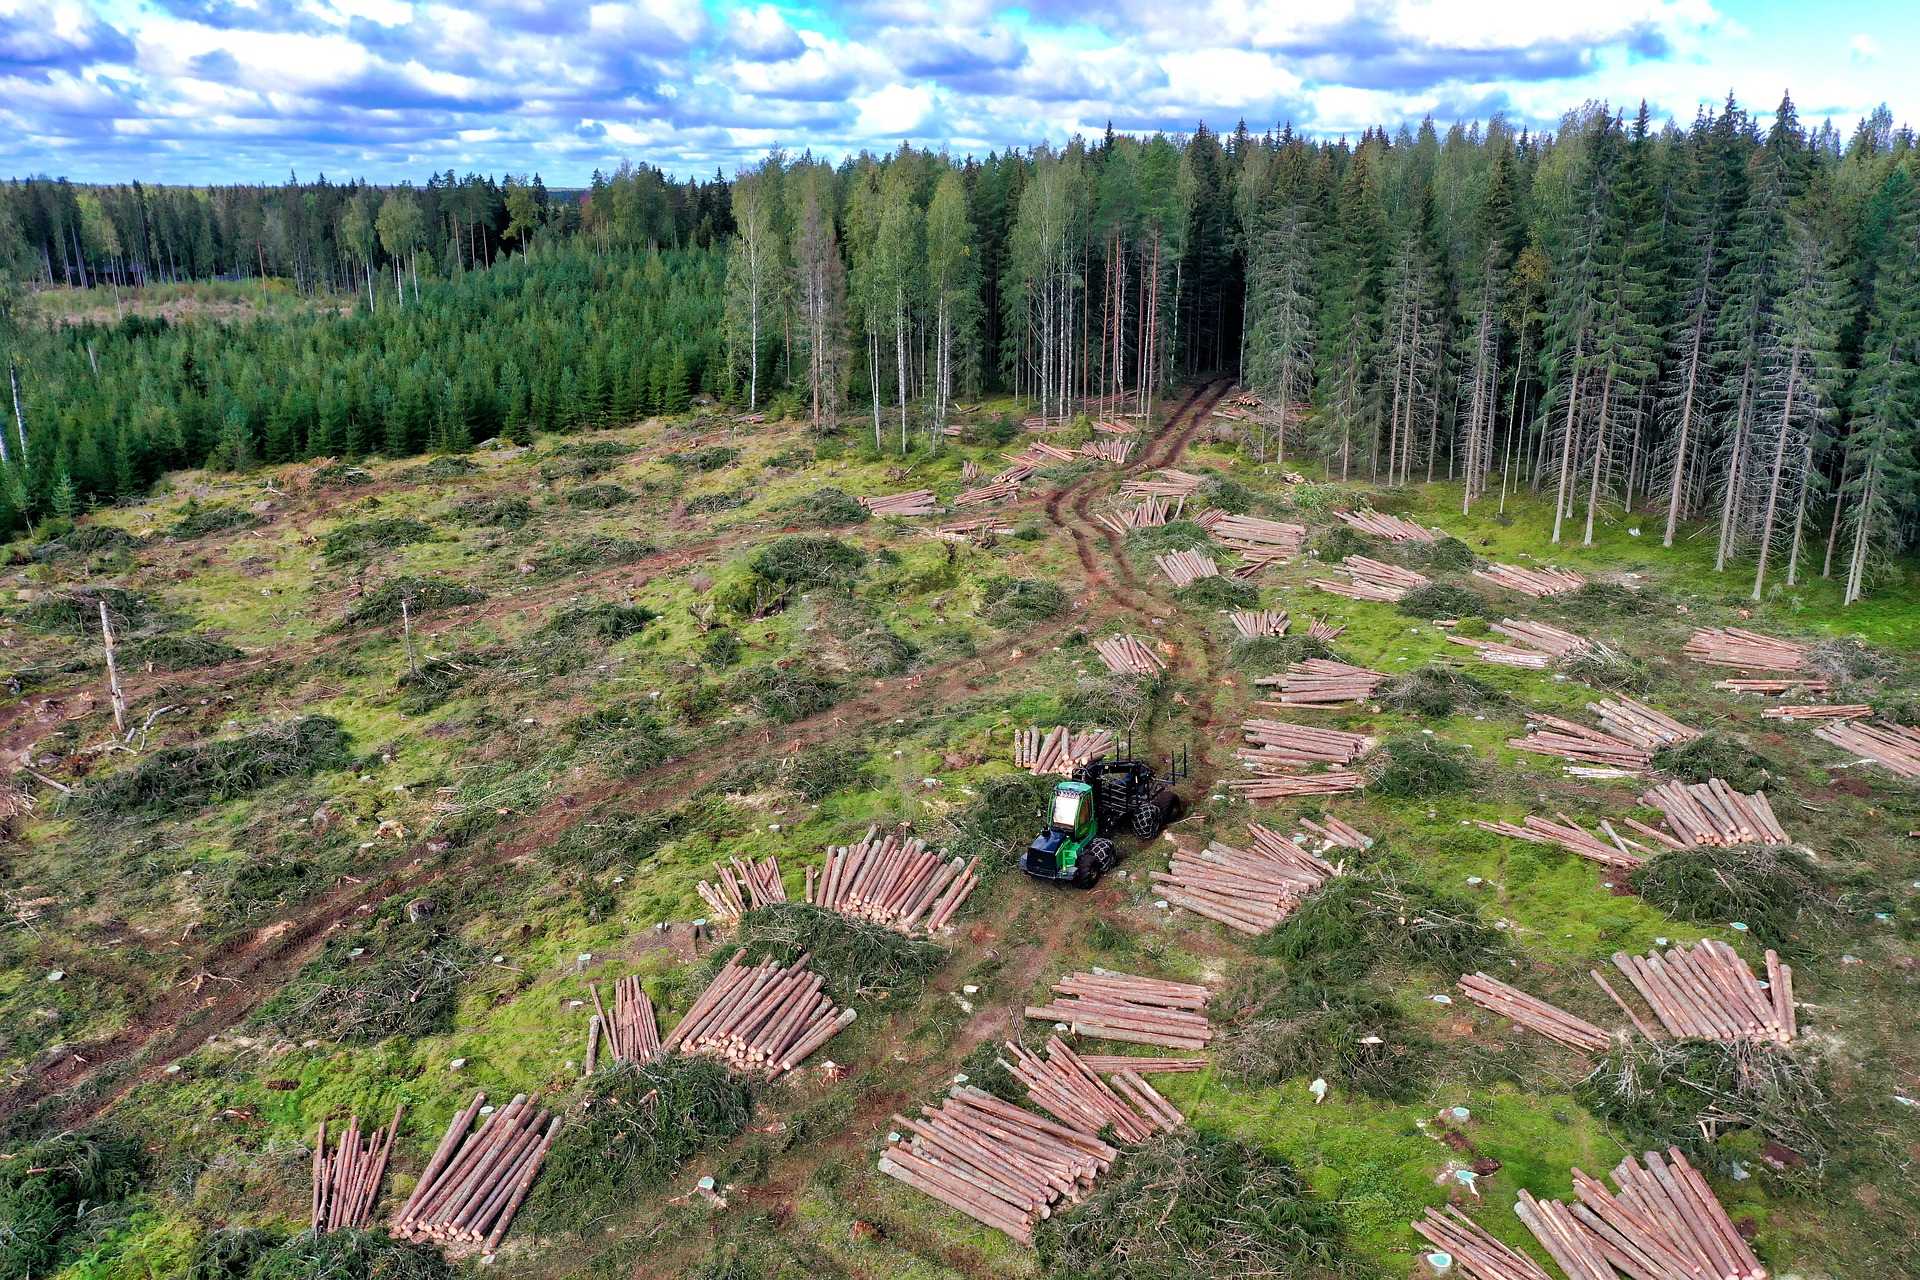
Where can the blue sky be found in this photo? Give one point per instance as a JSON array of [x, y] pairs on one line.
[[245, 90]]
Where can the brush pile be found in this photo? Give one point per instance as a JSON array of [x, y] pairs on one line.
[[1708, 993], [1131, 656], [1851, 711], [347, 1183], [1320, 682], [1532, 1012], [1621, 854], [1059, 750], [1278, 745], [1251, 533], [760, 881], [1171, 484], [1252, 624], [1640, 724], [920, 502], [1392, 528], [893, 882], [1373, 580], [760, 1018], [1504, 654], [1120, 1006], [1736, 648], [1478, 1252], [1893, 747], [1532, 582], [1712, 812], [1151, 513], [1187, 567], [1552, 736], [1114, 451], [1248, 890], [999, 1164], [1809, 687], [632, 1033], [1070, 1091], [1663, 1224], [1541, 636], [476, 1180]]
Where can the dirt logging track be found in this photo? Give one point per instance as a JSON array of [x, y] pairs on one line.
[[225, 985]]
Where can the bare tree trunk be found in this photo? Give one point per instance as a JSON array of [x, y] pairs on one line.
[[1686, 430], [1599, 455], [1566, 446], [1773, 481]]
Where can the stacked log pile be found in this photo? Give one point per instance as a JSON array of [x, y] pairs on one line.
[[893, 882], [1850, 711], [1129, 655], [760, 881], [1253, 624], [1541, 636], [1112, 428], [1059, 750], [760, 1018], [985, 527], [1532, 582], [1708, 993], [1135, 1010], [1039, 453], [1373, 580], [994, 492], [1736, 648], [1070, 1091], [1621, 854], [1115, 451], [1278, 745], [1106, 1064], [1392, 528], [1663, 1224], [1150, 513], [1326, 632], [969, 471], [1250, 890], [1184, 568], [1534, 1013], [1331, 834], [920, 502], [1334, 782], [1253, 559], [1171, 484], [346, 1183], [1252, 532], [1505, 654], [1045, 424], [1891, 746], [1320, 682], [1712, 812], [1809, 687], [477, 1178], [999, 1164], [1640, 724], [1552, 736], [1474, 1248], [1016, 473], [631, 1032]]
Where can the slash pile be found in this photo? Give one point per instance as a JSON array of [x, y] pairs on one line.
[[1060, 750], [1279, 745], [1151, 513], [632, 1033], [1712, 812], [1475, 1248], [920, 502], [1572, 741], [1392, 528], [1120, 1006], [476, 1180], [761, 881], [1891, 746], [1736, 648], [1186, 567], [1067, 1089], [1622, 854], [1550, 1021], [1248, 890], [346, 1183], [893, 882], [1851, 711], [1318, 682], [1532, 582], [1640, 724], [1130, 656], [1663, 1224], [1708, 993], [762, 1018], [1253, 624]]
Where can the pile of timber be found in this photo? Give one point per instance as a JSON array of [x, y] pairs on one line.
[[1373, 580], [632, 1032], [1392, 528], [999, 1164], [346, 1183], [1252, 624], [1809, 687], [760, 1018], [1045, 424], [1332, 834], [1708, 993], [1712, 812], [1541, 636], [1112, 428], [1505, 654], [1622, 854], [1187, 567], [984, 527], [893, 882], [1552, 736], [1736, 648], [1891, 746], [1334, 782], [1060, 750], [1532, 582], [1129, 655], [1663, 1224], [1322, 630], [1121, 1006], [1115, 451], [1479, 1252], [920, 502], [1070, 1091], [1850, 711], [761, 881], [1016, 473], [1108, 1063], [1279, 745], [1250, 890], [1171, 484], [477, 1178], [987, 493], [1039, 453], [1253, 533], [1253, 559], [1209, 518], [1550, 1021], [1151, 513], [1320, 682], [969, 471], [1640, 724]]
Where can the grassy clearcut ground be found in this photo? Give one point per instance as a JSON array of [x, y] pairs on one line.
[[607, 688]]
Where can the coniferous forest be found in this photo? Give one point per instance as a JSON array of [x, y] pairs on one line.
[[1712, 323]]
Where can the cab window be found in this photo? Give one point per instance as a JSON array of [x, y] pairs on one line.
[[1066, 810]]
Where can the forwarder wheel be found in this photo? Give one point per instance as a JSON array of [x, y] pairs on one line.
[[1096, 859], [1146, 820]]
